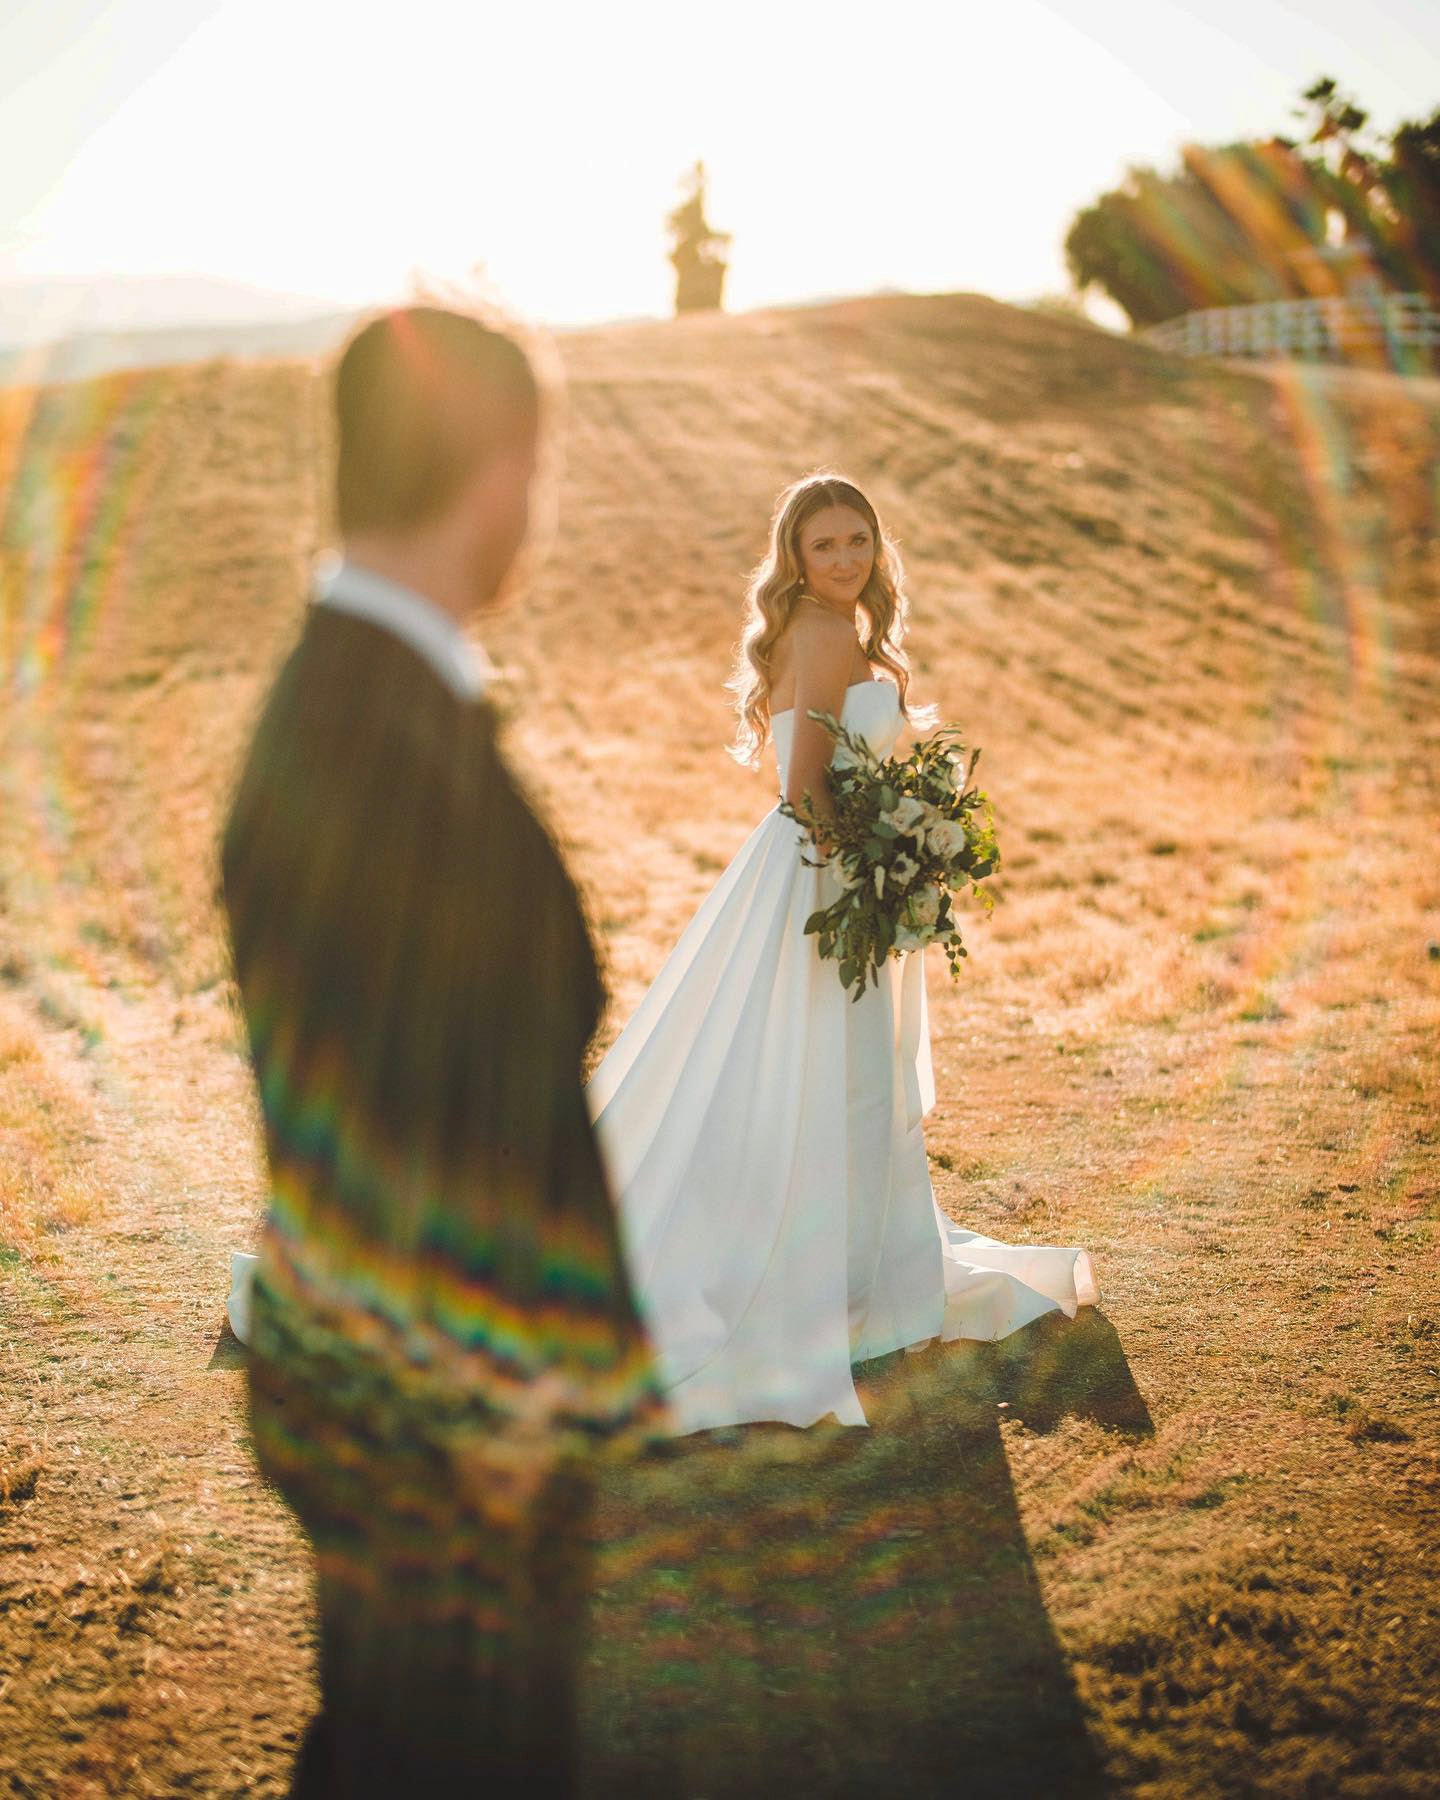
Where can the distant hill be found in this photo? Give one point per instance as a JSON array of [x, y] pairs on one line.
[[65, 328], [45, 309], [88, 353]]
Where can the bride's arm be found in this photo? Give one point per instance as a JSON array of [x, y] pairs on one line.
[[824, 651]]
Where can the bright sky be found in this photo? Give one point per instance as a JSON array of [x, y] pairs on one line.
[[330, 147]]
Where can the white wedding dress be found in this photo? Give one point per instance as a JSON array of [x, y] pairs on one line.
[[763, 1136]]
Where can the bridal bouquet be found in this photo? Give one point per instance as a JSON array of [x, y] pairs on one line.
[[908, 836]]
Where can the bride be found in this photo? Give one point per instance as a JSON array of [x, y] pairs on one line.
[[762, 1130]]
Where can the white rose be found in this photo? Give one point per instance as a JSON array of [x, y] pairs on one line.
[[908, 811], [842, 872], [946, 839], [904, 869], [925, 906], [907, 939]]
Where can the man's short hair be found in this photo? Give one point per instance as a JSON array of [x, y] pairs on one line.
[[423, 395]]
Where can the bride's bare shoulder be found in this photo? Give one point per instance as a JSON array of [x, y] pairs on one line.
[[813, 631], [817, 644]]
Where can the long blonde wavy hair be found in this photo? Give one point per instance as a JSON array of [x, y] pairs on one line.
[[778, 582]]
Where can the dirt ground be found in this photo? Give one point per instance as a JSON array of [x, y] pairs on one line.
[[1182, 1545]]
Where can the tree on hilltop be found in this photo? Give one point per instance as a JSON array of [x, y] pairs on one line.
[[697, 251]]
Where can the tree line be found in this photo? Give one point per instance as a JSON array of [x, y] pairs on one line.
[[1271, 219]]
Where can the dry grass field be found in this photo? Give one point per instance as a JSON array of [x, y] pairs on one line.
[[1184, 1545]]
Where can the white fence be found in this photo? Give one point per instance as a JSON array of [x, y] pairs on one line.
[[1401, 330]]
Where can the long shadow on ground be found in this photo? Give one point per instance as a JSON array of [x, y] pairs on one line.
[[847, 1611]]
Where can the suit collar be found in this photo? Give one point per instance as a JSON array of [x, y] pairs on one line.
[[429, 630]]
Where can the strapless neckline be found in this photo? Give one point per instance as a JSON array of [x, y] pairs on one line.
[[869, 681]]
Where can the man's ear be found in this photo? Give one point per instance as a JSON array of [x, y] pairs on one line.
[[497, 480]]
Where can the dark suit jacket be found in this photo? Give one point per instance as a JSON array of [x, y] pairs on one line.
[[419, 985]]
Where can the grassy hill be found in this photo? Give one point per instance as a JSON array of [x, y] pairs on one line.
[[1192, 613]]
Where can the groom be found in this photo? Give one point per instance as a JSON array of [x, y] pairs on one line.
[[443, 1333]]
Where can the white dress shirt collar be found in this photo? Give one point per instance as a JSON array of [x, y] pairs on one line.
[[427, 628]]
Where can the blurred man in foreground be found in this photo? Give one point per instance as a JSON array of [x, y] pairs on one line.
[[443, 1332]]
